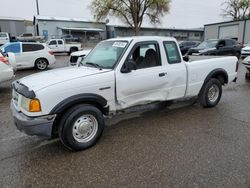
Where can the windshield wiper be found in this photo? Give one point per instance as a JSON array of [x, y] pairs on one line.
[[94, 65]]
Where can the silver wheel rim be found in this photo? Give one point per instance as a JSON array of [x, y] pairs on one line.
[[85, 128], [41, 64], [213, 93]]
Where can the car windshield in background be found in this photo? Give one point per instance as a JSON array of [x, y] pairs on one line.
[[105, 54], [208, 44]]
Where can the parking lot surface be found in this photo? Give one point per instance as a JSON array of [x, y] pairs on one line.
[[179, 146]]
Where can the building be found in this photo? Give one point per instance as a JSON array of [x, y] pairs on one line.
[[14, 26], [238, 30], [56, 27], [179, 34]]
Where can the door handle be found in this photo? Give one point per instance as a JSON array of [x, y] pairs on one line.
[[162, 74]]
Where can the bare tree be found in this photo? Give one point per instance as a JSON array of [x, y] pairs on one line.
[[132, 12], [237, 9]]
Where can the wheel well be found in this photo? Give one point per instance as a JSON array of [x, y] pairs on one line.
[[219, 74], [73, 48], [222, 77], [62, 112]]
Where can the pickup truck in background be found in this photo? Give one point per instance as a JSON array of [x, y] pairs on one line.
[[29, 37], [60, 46], [217, 47], [118, 74]]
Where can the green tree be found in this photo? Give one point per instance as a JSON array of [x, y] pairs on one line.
[[132, 12], [237, 9]]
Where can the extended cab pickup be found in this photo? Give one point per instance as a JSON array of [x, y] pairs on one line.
[[117, 74], [60, 46]]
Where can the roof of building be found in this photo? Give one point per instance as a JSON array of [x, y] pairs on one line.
[[82, 29], [66, 19], [232, 21], [161, 28], [11, 18]]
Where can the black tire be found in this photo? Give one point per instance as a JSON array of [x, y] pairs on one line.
[[73, 49], [70, 121], [238, 55], [41, 64], [206, 97]]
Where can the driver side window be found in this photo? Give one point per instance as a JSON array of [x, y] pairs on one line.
[[145, 55]]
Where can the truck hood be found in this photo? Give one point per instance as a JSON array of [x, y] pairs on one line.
[[42, 80]]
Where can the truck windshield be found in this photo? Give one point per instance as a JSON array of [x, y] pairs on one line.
[[105, 54], [208, 44]]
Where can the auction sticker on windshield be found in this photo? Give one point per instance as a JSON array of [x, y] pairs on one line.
[[120, 44]]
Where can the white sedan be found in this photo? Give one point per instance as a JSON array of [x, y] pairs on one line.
[[7, 66], [245, 51], [30, 54]]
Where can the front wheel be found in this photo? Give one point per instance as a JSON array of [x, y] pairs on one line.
[[211, 93], [81, 127]]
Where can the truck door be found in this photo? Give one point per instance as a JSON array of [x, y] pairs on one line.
[[176, 77], [145, 84], [60, 47], [53, 45]]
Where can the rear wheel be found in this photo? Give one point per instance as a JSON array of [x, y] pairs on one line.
[[81, 127], [41, 64], [211, 93]]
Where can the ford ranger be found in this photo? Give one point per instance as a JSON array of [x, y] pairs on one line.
[[116, 75]]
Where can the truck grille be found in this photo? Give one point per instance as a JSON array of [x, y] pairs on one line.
[[73, 59], [15, 97]]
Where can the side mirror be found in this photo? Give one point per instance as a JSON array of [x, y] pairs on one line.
[[186, 58], [128, 66]]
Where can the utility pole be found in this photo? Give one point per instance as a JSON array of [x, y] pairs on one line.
[[37, 7]]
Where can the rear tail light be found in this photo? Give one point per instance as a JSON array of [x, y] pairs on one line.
[[4, 60], [51, 53]]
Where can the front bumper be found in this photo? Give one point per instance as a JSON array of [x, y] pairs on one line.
[[40, 126]]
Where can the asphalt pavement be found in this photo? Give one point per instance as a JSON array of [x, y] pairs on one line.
[[179, 146]]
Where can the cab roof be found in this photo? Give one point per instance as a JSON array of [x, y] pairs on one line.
[[143, 38]]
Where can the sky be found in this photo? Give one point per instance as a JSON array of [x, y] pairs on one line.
[[183, 13]]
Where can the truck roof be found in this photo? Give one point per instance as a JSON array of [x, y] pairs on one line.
[[143, 38]]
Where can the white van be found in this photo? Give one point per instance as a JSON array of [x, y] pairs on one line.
[[4, 38]]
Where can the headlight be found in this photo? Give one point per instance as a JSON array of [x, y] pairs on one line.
[[30, 105]]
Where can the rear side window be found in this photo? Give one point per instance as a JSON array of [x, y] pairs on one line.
[[32, 47], [172, 52], [60, 42], [14, 48]]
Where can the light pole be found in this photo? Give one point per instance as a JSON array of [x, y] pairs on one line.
[[37, 7]]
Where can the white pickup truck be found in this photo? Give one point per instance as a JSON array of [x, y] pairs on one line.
[[60, 46], [117, 74]]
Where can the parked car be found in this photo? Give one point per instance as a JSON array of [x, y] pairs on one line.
[[30, 54], [70, 38], [29, 37], [7, 66], [186, 45], [217, 47], [246, 63], [245, 51], [76, 57], [60, 46], [4, 38], [118, 74]]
